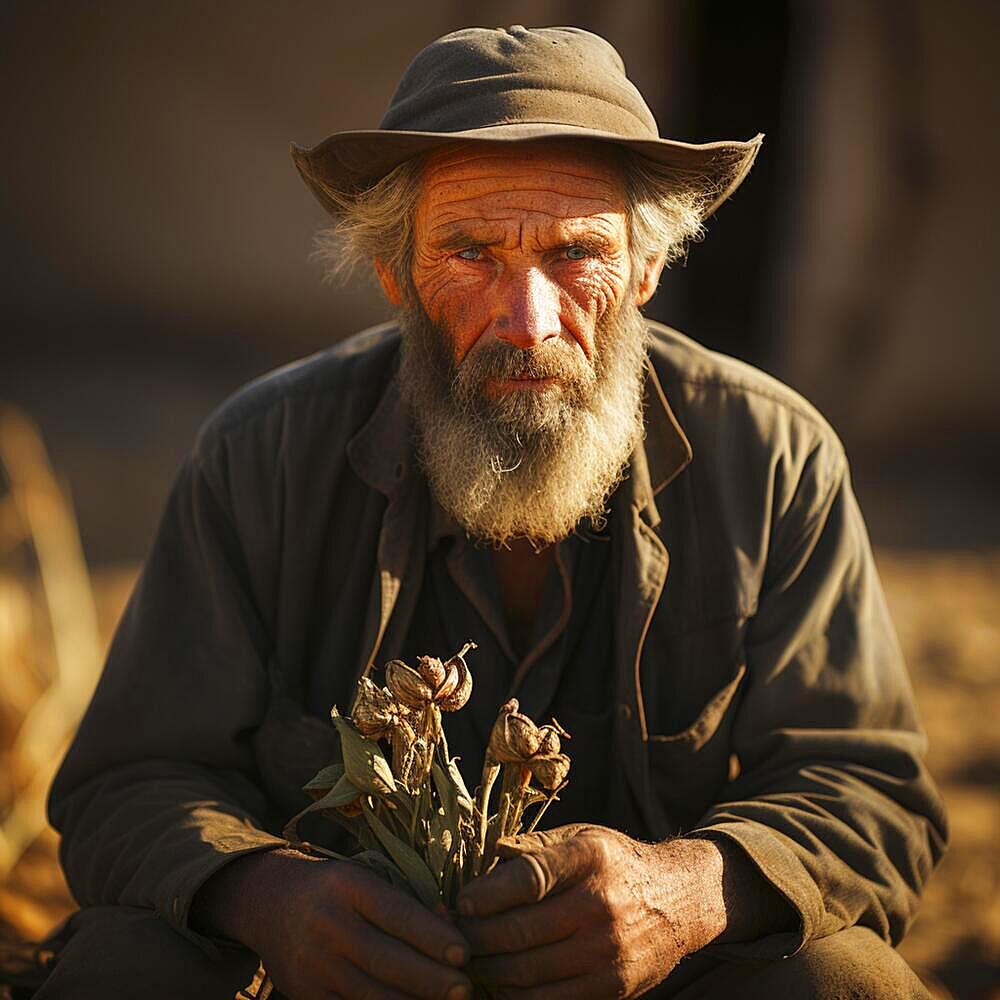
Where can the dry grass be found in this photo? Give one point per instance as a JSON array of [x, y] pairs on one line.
[[946, 610]]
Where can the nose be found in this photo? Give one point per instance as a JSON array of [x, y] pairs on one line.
[[530, 310]]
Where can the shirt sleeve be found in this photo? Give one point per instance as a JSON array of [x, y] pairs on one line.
[[159, 789], [833, 804]]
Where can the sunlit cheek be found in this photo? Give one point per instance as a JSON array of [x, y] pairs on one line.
[[591, 295], [451, 303]]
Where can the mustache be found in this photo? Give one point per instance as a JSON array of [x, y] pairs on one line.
[[501, 361]]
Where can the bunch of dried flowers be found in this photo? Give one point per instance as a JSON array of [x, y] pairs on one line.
[[399, 792]]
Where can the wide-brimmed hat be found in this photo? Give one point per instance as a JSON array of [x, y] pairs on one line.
[[515, 85]]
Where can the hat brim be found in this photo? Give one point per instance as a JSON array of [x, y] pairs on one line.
[[353, 160]]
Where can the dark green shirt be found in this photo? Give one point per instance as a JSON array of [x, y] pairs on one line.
[[567, 671], [759, 694]]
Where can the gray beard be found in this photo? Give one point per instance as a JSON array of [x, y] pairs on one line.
[[533, 463]]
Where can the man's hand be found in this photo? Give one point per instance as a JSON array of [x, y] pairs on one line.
[[584, 911], [330, 929]]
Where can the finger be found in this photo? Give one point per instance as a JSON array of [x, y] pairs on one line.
[[527, 878], [350, 981], [597, 986], [397, 964], [553, 919], [405, 919], [536, 966], [526, 843]]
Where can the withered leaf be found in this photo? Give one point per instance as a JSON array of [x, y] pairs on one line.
[[364, 763], [409, 862], [323, 781]]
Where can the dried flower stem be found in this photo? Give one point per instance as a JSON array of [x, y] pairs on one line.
[[490, 772]]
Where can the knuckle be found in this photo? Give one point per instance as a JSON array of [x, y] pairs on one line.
[[601, 853]]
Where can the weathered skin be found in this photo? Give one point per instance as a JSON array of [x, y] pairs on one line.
[[589, 912], [496, 235]]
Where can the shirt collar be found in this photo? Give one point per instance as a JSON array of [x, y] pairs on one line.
[[382, 455]]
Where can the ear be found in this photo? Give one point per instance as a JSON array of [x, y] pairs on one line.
[[649, 279], [388, 282]]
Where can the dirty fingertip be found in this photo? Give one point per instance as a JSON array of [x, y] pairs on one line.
[[456, 954]]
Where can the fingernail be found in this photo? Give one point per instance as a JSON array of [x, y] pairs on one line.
[[466, 908], [459, 992], [454, 954]]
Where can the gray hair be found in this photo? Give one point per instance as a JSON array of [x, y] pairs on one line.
[[665, 207]]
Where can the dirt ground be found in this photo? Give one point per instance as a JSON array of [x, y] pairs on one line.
[[946, 610]]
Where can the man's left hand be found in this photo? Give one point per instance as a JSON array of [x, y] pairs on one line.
[[584, 911]]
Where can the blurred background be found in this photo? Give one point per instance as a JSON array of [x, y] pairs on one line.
[[155, 257]]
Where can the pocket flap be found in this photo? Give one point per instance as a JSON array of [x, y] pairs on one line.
[[700, 731]]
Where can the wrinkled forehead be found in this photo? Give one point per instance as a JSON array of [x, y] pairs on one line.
[[573, 178]]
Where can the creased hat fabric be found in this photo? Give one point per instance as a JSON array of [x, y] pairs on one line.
[[514, 85]]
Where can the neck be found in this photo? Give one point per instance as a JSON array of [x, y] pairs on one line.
[[522, 571]]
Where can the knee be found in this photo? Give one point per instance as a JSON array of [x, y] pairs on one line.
[[126, 952], [854, 964]]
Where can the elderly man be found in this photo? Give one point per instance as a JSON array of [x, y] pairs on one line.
[[518, 458]]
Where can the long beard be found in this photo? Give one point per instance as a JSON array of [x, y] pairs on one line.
[[531, 463]]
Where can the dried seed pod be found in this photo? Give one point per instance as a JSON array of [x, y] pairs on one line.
[[448, 685], [517, 740], [376, 713], [515, 737], [551, 771], [407, 685], [432, 670], [457, 686], [549, 744]]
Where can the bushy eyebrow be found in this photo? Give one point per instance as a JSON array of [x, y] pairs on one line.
[[455, 238], [459, 239]]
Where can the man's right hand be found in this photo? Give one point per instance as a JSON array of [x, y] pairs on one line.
[[331, 929]]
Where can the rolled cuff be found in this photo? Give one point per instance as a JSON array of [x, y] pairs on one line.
[[177, 895], [779, 865]]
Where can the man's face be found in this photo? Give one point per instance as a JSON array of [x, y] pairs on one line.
[[526, 247], [523, 344]]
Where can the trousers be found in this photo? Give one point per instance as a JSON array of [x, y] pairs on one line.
[[131, 954]]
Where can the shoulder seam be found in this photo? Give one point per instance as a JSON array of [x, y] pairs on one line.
[[806, 412]]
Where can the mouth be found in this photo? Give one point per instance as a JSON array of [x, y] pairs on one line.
[[522, 382]]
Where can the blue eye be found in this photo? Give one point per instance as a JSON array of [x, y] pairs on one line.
[[470, 253], [576, 253]]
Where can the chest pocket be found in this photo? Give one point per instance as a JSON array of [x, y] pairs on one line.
[[688, 769]]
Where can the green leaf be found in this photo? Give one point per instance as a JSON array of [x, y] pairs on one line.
[[342, 794], [319, 785], [447, 793], [410, 863], [364, 763]]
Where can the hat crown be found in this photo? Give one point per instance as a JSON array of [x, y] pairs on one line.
[[484, 77]]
